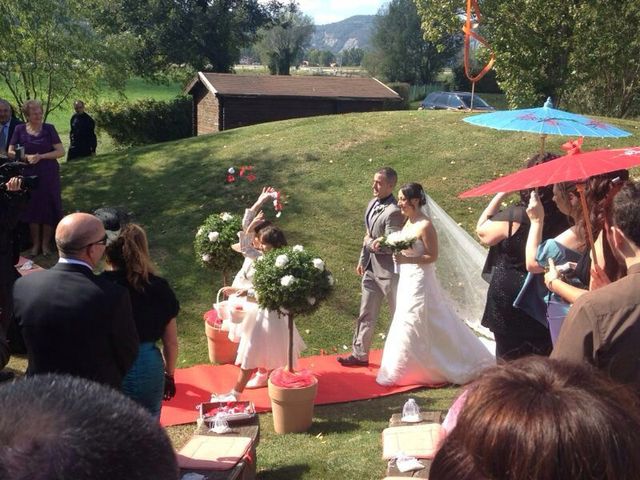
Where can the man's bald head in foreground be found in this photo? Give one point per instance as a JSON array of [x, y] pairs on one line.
[[77, 235]]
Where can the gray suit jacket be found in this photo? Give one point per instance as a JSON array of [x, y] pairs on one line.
[[385, 218]]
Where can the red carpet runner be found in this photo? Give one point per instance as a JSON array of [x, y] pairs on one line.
[[336, 384]]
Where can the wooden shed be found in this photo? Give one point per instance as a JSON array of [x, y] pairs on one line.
[[222, 100]]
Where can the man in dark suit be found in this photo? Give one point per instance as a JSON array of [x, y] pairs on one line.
[[7, 125], [82, 134], [379, 280], [73, 321]]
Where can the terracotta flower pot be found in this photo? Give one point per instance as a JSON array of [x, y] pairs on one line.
[[221, 349], [292, 407]]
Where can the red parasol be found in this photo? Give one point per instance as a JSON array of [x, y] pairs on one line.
[[573, 167]]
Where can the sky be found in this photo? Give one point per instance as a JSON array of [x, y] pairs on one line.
[[329, 11]]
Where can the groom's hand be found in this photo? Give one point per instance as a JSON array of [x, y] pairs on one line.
[[360, 270]]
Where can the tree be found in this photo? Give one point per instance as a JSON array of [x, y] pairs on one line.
[[283, 43], [50, 51], [352, 57], [400, 53], [565, 49], [201, 34]]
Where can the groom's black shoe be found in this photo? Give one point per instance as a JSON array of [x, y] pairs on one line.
[[352, 361]]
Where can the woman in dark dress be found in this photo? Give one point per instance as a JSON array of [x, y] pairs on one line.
[[155, 309], [516, 333], [42, 148]]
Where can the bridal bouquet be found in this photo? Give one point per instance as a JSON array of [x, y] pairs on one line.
[[397, 241], [214, 239]]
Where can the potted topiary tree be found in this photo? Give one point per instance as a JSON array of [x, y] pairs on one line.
[[291, 281], [213, 251], [213, 243]]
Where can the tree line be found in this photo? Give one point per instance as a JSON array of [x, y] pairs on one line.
[[586, 55]]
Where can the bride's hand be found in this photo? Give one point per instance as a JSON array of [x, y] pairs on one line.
[[400, 258]]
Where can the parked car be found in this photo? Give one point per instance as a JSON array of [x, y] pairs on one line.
[[453, 101]]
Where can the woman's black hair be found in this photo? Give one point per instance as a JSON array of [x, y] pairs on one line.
[[412, 191]]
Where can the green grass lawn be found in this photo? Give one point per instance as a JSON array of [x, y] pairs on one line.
[[324, 165]]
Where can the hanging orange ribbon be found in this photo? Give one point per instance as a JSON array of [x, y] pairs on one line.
[[472, 5]]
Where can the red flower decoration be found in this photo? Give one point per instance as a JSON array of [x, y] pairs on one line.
[[231, 179], [572, 146]]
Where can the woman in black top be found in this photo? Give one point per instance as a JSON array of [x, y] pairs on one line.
[[155, 308], [516, 333]]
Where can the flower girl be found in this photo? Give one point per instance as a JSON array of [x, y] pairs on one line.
[[263, 346]]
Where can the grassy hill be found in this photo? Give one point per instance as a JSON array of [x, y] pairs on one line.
[[324, 165]]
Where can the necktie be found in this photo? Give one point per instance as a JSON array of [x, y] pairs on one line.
[[3, 138]]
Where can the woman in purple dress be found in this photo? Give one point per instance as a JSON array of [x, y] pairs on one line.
[[42, 148]]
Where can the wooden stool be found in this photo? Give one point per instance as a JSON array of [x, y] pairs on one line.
[[246, 468], [396, 421]]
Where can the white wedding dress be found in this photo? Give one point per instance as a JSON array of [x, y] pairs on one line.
[[428, 344]]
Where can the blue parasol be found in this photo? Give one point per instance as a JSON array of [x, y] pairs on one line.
[[546, 121]]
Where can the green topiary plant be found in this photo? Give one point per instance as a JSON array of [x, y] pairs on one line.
[[293, 281], [213, 243]]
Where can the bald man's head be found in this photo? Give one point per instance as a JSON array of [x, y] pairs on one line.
[[77, 231]]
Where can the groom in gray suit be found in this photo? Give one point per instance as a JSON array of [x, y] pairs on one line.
[[376, 265]]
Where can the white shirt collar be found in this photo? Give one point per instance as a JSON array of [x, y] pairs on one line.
[[75, 261]]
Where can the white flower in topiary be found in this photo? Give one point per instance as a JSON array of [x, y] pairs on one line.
[[206, 257], [226, 216], [311, 300], [213, 236], [200, 231], [287, 280], [319, 264], [281, 261], [331, 280], [231, 171], [298, 248]]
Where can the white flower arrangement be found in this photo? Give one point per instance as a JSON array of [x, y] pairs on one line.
[[281, 261], [213, 236], [206, 257], [298, 248], [226, 216]]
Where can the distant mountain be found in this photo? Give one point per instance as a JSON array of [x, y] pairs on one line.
[[351, 32]]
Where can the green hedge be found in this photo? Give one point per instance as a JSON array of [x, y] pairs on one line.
[[404, 90], [146, 121]]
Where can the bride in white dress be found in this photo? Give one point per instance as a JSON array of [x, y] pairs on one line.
[[427, 344]]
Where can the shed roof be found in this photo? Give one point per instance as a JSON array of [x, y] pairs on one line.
[[228, 84]]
